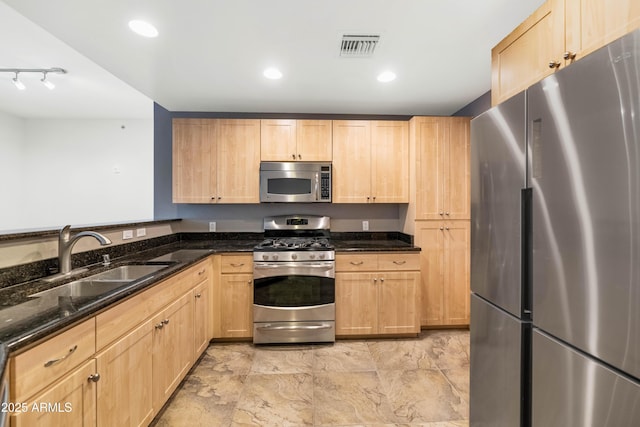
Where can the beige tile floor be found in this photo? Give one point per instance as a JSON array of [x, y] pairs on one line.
[[415, 382]]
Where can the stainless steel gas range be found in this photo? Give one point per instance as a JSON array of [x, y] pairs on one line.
[[294, 281]]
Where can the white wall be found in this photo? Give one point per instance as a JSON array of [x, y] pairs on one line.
[[11, 167], [80, 172]]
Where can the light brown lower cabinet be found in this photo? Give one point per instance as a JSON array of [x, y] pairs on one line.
[[125, 385], [145, 347], [172, 348], [68, 402], [377, 294], [233, 297], [445, 266]]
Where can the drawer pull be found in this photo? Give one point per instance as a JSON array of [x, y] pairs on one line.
[[54, 361], [399, 262], [94, 377], [200, 273], [237, 265], [357, 262]]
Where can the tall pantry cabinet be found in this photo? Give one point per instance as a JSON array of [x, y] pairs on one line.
[[442, 214]]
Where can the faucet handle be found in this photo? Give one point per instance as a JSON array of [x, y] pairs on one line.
[[106, 260]]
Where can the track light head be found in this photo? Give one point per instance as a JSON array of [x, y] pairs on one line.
[[18, 84], [47, 83]]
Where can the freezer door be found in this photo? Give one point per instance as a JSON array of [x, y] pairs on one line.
[[499, 359], [571, 389], [497, 177], [584, 124]]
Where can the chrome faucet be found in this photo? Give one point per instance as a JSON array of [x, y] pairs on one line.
[[66, 242]]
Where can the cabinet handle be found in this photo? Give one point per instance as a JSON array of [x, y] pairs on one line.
[[375, 279], [198, 295], [446, 228], [293, 156], [569, 55], [441, 228], [54, 361], [399, 262], [357, 262], [554, 64], [382, 280], [300, 156], [160, 325], [237, 265], [368, 198], [200, 273], [447, 213], [213, 197], [249, 283], [94, 377], [219, 197], [374, 198], [165, 321]]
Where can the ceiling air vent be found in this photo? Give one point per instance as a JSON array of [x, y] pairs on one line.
[[358, 46]]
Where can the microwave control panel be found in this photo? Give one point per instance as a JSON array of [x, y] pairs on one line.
[[325, 186]]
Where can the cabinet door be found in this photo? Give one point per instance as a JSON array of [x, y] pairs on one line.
[[430, 237], [356, 304], [430, 134], [351, 161], [314, 142], [278, 140], [69, 402], [390, 161], [456, 272], [591, 24], [399, 308], [201, 317], [172, 348], [194, 175], [236, 306], [522, 58], [124, 389], [238, 161], [456, 193]]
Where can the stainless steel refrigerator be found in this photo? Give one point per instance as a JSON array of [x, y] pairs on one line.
[[579, 258]]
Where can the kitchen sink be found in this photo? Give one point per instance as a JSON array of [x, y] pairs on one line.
[[104, 282]]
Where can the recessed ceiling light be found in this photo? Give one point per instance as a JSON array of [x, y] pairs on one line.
[[143, 28], [386, 76], [272, 73]]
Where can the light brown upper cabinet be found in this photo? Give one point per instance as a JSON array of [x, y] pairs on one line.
[[295, 140], [370, 161], [216, 160], [443, 169], [556, 34]]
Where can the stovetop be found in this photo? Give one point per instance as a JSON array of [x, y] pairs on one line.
[[294, 244]]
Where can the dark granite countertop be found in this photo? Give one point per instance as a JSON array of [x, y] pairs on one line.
[[27, 320]]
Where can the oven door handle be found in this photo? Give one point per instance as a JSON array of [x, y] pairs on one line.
[[294, 328], [327, 266]]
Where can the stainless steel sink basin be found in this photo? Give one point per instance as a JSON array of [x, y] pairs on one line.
[[104, 282], [127, 272]]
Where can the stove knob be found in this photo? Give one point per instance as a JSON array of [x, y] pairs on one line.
[[265, 257], [312, 256], [275, 257], [321, 256], [294, 256]]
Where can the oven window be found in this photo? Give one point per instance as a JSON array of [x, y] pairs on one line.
[[289, 186], [294, 291]]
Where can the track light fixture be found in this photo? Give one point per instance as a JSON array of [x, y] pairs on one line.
[[48, 83]]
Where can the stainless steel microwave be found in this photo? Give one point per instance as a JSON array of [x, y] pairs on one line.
[[301, 182]]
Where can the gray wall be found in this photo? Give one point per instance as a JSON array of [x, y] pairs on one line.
[[476, 107]]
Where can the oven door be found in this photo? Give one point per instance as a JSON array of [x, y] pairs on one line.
[[294, 302]]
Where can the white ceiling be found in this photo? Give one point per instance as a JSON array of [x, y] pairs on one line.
[[210, 55]]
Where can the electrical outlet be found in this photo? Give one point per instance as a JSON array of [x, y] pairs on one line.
[[365, 225], [212, 226], [127, 234], [141, 232]]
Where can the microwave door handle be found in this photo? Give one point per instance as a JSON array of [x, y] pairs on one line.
[[317, 187]]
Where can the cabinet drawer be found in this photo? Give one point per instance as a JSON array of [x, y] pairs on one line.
[[200, 272], [236, 264], [399, 262], [356, 262], [40, 366]]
